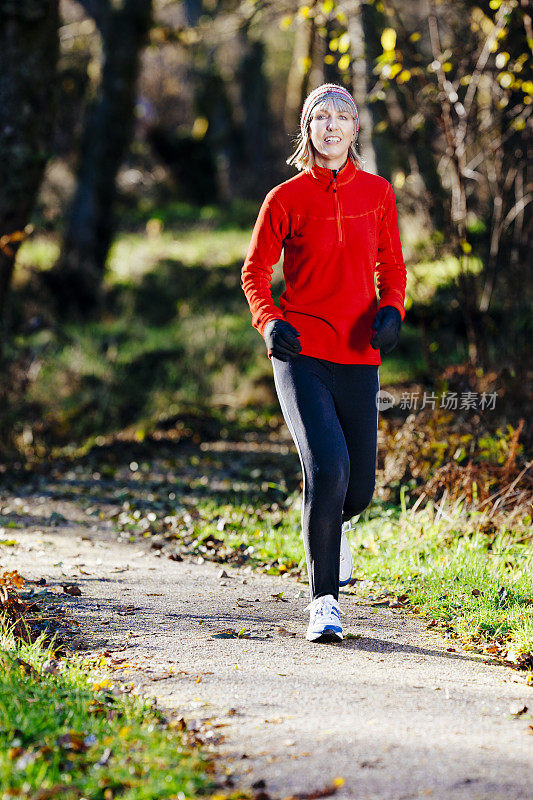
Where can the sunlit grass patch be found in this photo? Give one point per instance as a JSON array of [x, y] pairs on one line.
[[425, 277], [132, 255], [269, 538], [40, 251], [480, 586], [65, 729]]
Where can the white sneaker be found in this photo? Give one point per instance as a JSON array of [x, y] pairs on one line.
[[346, 562], [324, 623]]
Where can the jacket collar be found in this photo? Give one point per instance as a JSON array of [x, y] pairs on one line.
[[325, 175]]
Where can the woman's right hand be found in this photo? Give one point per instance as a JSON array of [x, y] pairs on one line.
[[281, 339]]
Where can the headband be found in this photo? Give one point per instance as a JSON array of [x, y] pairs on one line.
[[326, 91]]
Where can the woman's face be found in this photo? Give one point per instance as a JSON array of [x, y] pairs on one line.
[[331, 133]]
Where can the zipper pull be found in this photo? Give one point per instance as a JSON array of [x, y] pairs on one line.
[[335, 179]]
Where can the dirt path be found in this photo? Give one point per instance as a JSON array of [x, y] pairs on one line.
[[393, 712]]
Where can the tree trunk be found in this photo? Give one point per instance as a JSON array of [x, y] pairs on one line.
[[78, 276], [255, 177], [29, 47], [298, 79], [360, 89]]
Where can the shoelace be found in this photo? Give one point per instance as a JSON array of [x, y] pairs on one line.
[[350, 524], [324, 604]]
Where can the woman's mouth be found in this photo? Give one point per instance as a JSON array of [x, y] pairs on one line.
[[332, 139]]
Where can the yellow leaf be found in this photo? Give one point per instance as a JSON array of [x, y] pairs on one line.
[[466, 246], [404, 76], [414, 37], [305, 64], [329, 59], [344, 43], [304, 11], [285, 22], [447, 67], [394, 70], [338, 782], [398, 179], [199, 128], [124, 731], [344, 62], [505, 79], [333, 44], [327, 6], [388, 39]]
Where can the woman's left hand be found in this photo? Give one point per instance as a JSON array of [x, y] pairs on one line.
[[386, 327]]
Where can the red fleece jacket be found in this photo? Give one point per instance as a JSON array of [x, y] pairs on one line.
[[335, 234]]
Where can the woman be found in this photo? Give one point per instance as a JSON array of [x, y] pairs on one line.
[[337, 226]]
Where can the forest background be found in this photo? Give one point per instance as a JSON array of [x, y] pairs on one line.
[[137, 141]]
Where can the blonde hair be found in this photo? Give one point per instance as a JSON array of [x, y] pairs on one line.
[[303, 156]]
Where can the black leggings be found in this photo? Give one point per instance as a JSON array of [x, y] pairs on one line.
[[330, 410]]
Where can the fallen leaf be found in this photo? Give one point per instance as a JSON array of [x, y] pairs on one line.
[[71, 588], [279, 597], [227, 633], [318, 793], [284, 632], [517, 709], [26, 668], [72, 741]]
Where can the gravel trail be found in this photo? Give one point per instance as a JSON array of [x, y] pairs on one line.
[[391, 714]]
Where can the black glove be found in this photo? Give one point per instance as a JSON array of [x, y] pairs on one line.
[[281, 339], [386, 327]]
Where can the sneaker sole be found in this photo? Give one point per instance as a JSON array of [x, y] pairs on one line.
[[325, 637]]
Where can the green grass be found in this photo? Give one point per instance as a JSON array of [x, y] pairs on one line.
[[426, 277], [476, 586], [72, 732]]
